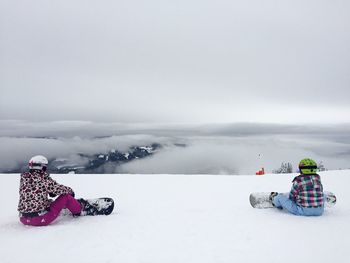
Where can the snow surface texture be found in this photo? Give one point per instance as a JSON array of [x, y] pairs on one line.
[[179, 218]]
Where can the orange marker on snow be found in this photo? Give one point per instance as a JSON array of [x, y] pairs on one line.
[[260, 172]]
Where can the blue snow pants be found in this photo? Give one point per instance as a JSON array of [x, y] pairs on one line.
[[283, 201]]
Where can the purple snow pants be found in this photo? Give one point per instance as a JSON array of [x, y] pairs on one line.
[[63, 201]]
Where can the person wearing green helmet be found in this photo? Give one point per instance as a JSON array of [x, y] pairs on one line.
[[306, 196]]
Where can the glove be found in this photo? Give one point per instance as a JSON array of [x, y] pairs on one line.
[[52, 195], [72, 194]]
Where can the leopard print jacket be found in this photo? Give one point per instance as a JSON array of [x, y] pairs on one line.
[[34, 189]]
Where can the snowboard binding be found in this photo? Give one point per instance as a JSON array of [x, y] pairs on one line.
[[331, 199], [99, 206]]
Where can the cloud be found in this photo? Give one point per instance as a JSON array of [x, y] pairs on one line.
[[216, 149], [218, 155], [17, 151], [189, 61], [194, 159], [89, 129]]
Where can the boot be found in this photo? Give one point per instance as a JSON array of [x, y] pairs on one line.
[[272, 196], [87, 208]]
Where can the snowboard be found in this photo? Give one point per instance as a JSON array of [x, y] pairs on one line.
[[93, 207], [97, 206], [261, 200]]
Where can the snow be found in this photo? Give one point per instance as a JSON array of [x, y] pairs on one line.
[[147, 149], [179, 218]]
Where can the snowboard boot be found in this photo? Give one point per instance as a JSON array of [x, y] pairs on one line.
[[272, 196], [87, 208], [97, 206]]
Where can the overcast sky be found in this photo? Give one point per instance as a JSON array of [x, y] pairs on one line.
[[191, 61]]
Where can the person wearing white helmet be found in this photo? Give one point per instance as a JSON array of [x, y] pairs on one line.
[[35, 208], [38, 162]]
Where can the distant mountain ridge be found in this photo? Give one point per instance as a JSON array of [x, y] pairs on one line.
[[99, 162]]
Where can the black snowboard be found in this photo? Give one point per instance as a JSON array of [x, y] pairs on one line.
[[262, 199], [97, 206]]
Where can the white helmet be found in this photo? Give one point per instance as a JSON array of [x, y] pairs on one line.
[[38, 162]]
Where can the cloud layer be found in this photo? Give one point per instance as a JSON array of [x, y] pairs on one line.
[[184, 61], [214, 149]]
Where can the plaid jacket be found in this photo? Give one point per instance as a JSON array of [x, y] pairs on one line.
[[307, 190]]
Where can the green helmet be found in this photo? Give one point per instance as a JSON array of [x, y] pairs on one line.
[[307, 166]]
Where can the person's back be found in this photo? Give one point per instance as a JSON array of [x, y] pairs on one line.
[[306, 196], [307, 190], [34, 190], [34, 205]]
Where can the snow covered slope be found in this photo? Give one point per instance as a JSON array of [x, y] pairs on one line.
[[179, 218]]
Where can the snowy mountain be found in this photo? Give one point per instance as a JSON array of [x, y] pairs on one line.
[[98, 162], [179, 218]]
